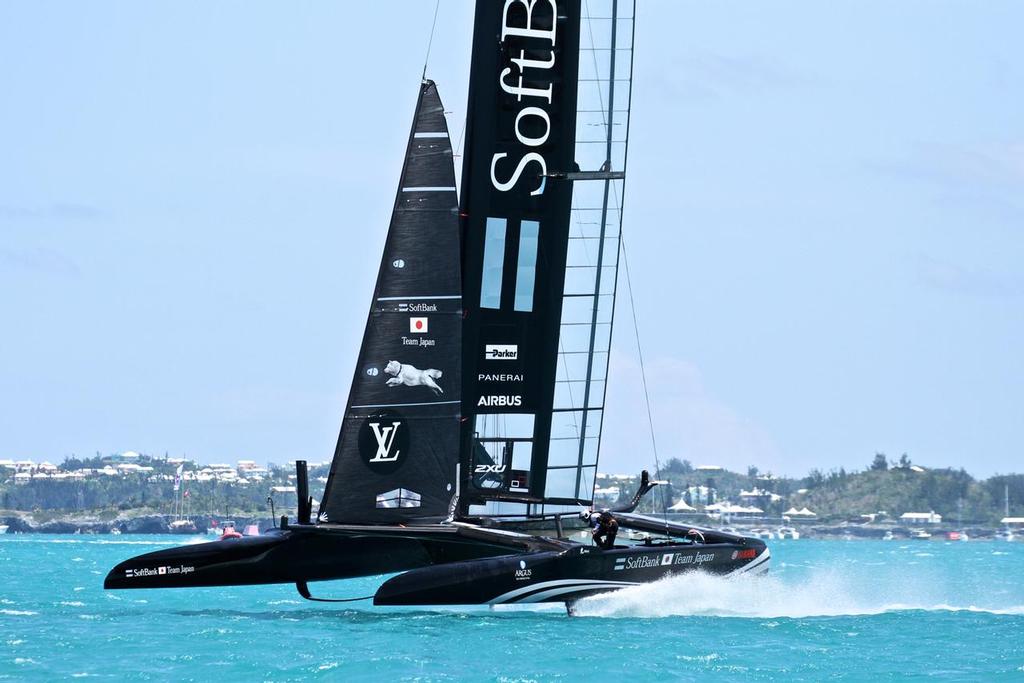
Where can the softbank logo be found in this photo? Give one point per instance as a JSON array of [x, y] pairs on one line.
[[528, 13]]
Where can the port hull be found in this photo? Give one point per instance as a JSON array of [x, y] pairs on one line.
[[313, 553]]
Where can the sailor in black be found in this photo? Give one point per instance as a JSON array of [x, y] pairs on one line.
[[605, 531]]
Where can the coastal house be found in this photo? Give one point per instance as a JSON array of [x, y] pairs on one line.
[[727, 509], [921, 518], [127, 456], [760, 495], [607, 494]]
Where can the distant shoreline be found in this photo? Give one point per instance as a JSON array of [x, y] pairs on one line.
[[159, 524], [123, 523]]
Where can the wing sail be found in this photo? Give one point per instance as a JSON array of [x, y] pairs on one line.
[[541, 200]]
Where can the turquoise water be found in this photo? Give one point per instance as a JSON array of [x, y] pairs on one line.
[[829, 610]]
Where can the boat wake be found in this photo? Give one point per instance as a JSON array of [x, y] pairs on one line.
[[829, 594]]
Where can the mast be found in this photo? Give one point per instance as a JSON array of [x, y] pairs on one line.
[[542, 208]]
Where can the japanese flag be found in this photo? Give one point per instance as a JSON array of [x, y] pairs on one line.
[[417, 325]]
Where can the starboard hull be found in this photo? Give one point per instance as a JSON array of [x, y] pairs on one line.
[[568, 575]]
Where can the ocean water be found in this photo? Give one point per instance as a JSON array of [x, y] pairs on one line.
[[829, 610]]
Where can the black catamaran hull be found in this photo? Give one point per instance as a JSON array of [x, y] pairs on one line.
[[565, 576], [316, 553]]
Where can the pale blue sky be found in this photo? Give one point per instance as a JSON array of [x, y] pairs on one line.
[[824, 212]]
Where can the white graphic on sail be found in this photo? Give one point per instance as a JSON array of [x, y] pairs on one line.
[[385, 440], [403, 374]]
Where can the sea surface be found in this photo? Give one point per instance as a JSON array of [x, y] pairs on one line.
[[829, 610]]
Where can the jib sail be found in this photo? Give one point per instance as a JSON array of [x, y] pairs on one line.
[[397, 455], [541, 201]]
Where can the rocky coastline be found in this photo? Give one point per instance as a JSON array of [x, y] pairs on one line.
[[123, 523]]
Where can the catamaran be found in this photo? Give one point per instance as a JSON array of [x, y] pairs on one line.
[[477, 401]]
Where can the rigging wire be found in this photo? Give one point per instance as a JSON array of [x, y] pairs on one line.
[[643, 372], [430, 43]]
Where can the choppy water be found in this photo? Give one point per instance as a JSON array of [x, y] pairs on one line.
[[829, 610]]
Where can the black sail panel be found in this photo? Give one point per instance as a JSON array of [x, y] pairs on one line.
[[397, 455], [516, 200]]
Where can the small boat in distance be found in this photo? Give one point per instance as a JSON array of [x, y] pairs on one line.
[[183, 526], [4, 528], [789, 532], [228, 531], [920, 535]]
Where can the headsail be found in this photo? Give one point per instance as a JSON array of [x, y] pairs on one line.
[[549, 93], [397, 454]]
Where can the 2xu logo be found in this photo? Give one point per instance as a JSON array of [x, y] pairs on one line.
[[384, 442], [489, 469], [500, 401]]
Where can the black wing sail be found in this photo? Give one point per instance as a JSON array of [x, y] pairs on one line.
[[541, 201], [397, 454]]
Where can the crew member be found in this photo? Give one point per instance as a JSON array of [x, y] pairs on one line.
[[605, 531]]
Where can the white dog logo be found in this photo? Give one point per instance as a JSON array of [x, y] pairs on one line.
[[409, 376]]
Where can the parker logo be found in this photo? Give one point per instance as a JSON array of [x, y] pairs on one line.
[[500, 401], [501, 352], [384, 442], [417, 325]]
